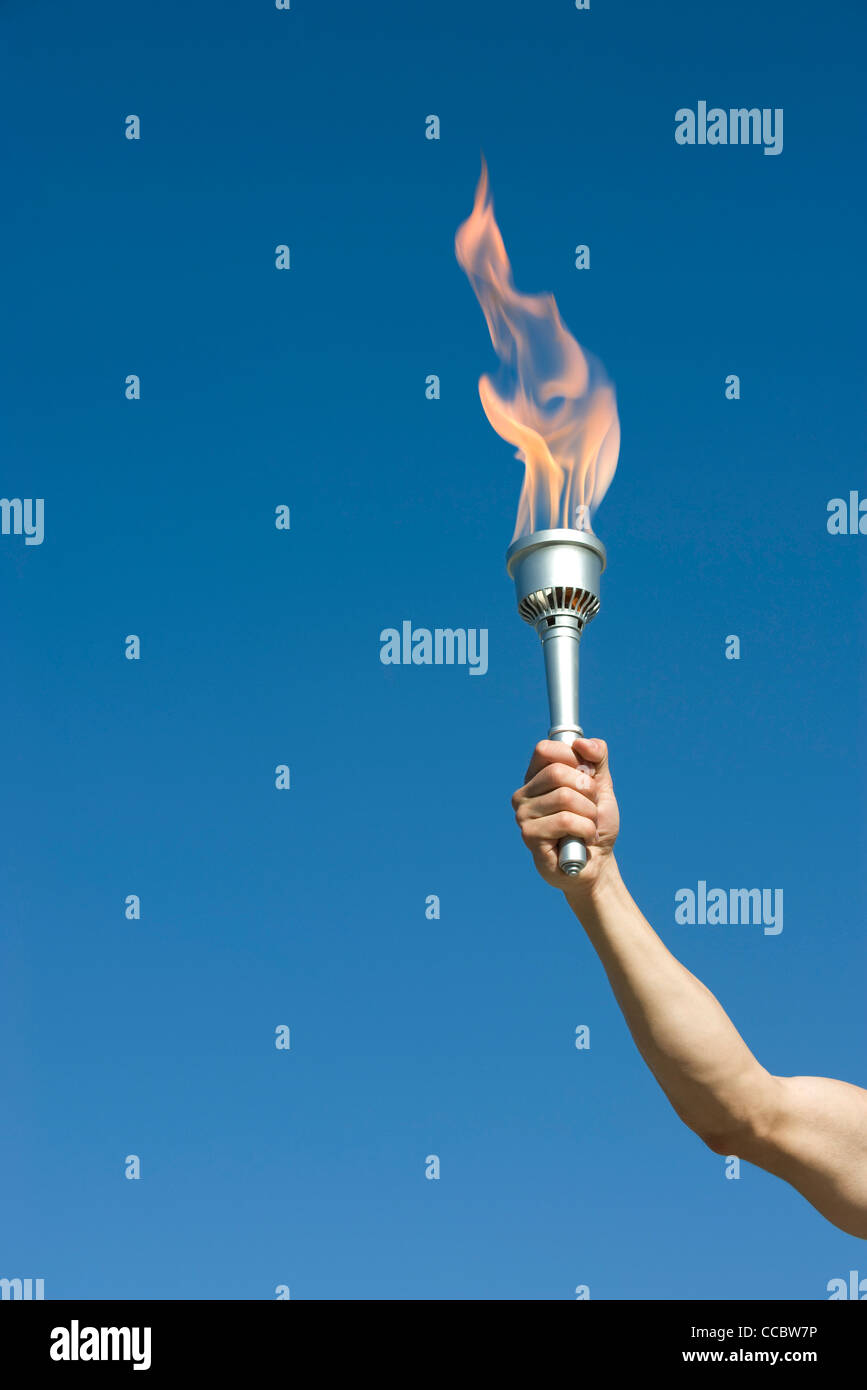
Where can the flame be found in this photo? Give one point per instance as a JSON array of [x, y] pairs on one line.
[[553, 400]]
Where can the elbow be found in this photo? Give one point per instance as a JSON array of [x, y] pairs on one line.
[[749, 1130], [734, 1141], [717, 1141], [721, 1134]]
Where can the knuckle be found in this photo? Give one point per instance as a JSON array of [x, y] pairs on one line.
[[562, 775], [570, 824]]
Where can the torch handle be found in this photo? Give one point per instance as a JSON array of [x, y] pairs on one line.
[[573, 853]]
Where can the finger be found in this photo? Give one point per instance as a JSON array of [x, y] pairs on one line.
[[593, 751], [552, 776], [547, 751], [563, 825], [559, 799]]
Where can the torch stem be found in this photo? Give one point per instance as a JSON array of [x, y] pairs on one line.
[[561, 637], [556, 574]]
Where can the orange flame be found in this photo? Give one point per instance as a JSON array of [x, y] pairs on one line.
[[553, 401]]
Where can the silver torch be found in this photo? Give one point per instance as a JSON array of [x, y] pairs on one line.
[[556, 576]]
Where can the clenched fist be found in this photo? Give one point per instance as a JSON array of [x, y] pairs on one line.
[[568, 792]]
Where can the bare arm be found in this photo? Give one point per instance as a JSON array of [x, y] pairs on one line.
[[810, 1131]]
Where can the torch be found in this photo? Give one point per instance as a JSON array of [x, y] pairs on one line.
[[554, 403], [556, 576]]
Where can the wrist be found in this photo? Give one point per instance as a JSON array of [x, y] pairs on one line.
[[595, 885]]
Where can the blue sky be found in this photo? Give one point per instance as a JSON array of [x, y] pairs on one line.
[[306, 907]]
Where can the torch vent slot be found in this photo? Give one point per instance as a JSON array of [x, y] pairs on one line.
[[548, 602]]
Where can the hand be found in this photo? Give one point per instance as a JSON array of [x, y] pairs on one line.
[[568, 793]]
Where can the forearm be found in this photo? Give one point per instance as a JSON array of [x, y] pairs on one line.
[[701, 1062]]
